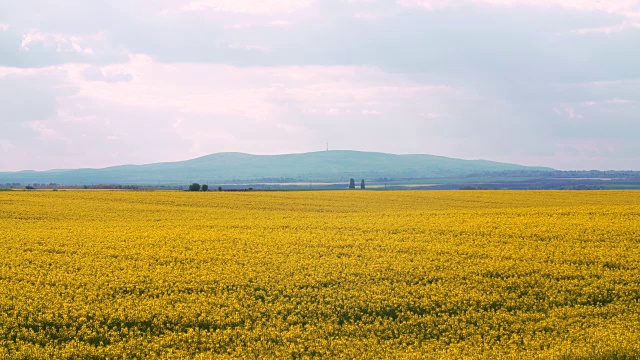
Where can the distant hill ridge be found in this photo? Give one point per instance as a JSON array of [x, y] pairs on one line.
[[336, 165]]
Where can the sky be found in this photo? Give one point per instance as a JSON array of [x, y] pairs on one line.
[[108, 82]]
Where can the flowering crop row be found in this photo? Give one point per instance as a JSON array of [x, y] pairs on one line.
[[452, 274]]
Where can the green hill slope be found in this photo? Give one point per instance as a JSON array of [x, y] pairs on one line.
[[227, 167]]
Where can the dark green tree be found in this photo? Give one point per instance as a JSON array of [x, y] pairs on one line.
[[352, 184], [205, 187], [194, 187], [219, 188], [362, 184]]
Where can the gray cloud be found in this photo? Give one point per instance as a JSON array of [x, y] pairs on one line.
[[25, 99]]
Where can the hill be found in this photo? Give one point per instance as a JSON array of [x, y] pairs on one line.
[[240, 167]]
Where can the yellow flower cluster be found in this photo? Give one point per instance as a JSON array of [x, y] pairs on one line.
[[349, 274]]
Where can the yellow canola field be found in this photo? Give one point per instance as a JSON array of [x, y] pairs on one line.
[[348, 274]]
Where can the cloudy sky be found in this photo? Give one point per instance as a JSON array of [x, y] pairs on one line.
[[106, 82]]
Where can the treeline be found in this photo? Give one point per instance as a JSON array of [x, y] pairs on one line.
[[52, 186], [564, 174], [20, 185], [197, 187]]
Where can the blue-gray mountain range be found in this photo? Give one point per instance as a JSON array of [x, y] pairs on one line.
[[240, 167]]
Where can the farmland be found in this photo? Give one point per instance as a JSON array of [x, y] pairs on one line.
[[351, 274]]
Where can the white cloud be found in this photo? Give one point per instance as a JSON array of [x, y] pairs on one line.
[[608, 30], [620, 101], [428, 4], [249, 6], [245, 26], [431, 116], [367, 16], [370, 112], [627, 8], [257, 48], [257, 93], [617, 6], [6, 146], [45, 131], [610, 101], [6, 71], [107, 74], [569, 111], [279, 23], [61, 42]]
